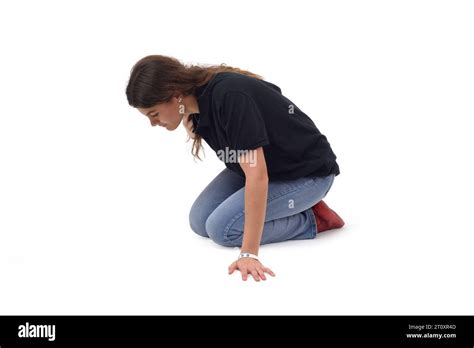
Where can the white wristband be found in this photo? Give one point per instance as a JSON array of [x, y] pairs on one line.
[[248, 255]]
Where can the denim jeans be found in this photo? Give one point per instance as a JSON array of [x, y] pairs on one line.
[[218, 212]]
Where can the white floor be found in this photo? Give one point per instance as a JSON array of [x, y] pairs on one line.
[[401, 255]]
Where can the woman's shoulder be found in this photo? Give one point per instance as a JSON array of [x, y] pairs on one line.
[[231, 82]]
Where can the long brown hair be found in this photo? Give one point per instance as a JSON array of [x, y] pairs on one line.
[[156, 79]]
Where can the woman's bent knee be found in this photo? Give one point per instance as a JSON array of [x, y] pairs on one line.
[[216, 230], [197, 221]]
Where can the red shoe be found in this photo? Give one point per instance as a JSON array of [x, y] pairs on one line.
[[326, 218]]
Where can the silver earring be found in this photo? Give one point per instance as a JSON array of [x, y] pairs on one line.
[[181, 107]]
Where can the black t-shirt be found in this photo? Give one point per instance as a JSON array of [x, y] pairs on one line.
[[239, 112]]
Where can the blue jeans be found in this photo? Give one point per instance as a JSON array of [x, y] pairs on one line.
[[218, 212]]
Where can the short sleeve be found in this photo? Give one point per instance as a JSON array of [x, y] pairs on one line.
[[242, 122]]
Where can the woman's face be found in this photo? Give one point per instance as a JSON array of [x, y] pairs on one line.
[[164, 114]]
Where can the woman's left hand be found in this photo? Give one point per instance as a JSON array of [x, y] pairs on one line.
[[247, 265]]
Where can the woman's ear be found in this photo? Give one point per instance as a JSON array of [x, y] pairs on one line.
[[177, 95]]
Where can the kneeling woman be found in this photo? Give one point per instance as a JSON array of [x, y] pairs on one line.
[[279, 166]]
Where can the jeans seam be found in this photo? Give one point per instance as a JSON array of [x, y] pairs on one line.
[[312, 218]]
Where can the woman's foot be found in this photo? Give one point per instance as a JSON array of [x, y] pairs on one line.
[[326, 218]]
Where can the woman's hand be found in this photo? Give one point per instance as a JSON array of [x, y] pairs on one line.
[[247, 265]]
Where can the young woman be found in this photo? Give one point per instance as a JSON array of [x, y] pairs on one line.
[[279, 166]]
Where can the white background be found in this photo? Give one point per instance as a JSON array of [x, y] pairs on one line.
[[94, 202]]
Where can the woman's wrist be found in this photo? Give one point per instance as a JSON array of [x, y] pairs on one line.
[[247, 255]]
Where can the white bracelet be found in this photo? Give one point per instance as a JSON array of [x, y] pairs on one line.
[[248, 255]]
